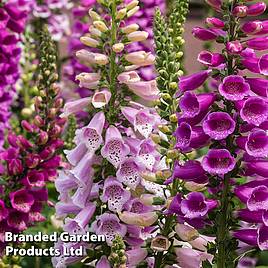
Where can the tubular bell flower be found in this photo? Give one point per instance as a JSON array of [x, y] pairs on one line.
[[257, 144], [234, 87], [219, 125], [218, 161], [254, 111]]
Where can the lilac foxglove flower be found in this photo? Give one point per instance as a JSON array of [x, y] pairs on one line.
[[234, 88], [109, 225], [115, 194], [103, 263], [218, 161], [129, 172], [247, 262], [257, 144], [115, 150], [254, 111], [219, 125]]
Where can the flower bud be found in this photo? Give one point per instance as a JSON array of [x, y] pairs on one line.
[[26, 112], [214, 23], [117, 48], [252, 27], [204, 34], [137, 36], [42, 138], [27, 126], [151, 200], [130, 28], [32, 160], [58, 103], [101, 98], [173, 154], [94, 32], [256, 9], [15, 167], [156, 138], [160, 243], [94, 15], [133, 11], [173, 118], [186, 232], [165, 129], [234, 47], [52, 112], [194, 187], [142, 219], [88, 41], [38, 121], [101, 26], [132, 4], [240, 11], [121, 14], [55, 131]]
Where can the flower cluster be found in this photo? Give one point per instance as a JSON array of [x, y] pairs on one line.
[[13, 16], [106, 186], [32, 159], [231, 121]]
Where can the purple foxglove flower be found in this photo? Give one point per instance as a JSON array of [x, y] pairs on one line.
[[219, 125], [15, 167], [193, 81], [135, 205], [252, 64], [109, 225], [257, 144], [190, 171], [252, 27], [258, 167], [240, 11], [256, 9], [248, 236], [210, 59], [262, 237], [214, 23], [129, 172], [103, 263], [17, 220], [75, 155], [258, 43], [142, 120], [195, 205], [35, 213], [218, 161], [247, 262], [259, 86], [234, 47], [21, 200], [81, 220], [75, 106], [258, 199], [115, 194], [263, 64], [234, 87], [34, 178], [115, 150], [3, 211], [254, 111], [191, 258], [193, 105], [204, 34], [188, 137], [136, 256], [250, 216]]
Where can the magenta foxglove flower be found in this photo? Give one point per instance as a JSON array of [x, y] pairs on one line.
[[115, 150], [257, 144], [234, 47], [252, 27], [247, 262], [256, 9], [218, 161], [3, 211], [219, 125], [195, 205], [17, 220], [258, 85], [115, 194], [258, 199], [21, 200], [190, 171], [234, 87], [258, 43], [263, 64], [204, 34], [254, 110], [210, 59], [109, 225], [193, 81], [214, 23]]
